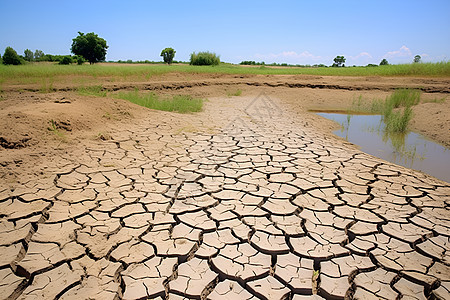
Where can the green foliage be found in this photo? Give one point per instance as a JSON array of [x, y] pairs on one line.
[[204, 59], [404, 98], [168, 54], [339, 61], [372, 65], [384, 62], [252, 63], [10, 57], [1, 60], [90, 46], [397, 121], [38, 54], [66, 60], [28, 55], [181, 103], [396, 108], [417, 59], [80, 59]]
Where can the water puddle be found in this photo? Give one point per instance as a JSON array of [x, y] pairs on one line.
[[410, 149]]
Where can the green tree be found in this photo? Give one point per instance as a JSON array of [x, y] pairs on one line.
[[10, 57], [417, 59], [168, 54], [384, 62], [90, 46], [28, 54], [38, 55], [339, 61]]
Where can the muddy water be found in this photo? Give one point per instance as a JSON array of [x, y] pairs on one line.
[[411, 150]]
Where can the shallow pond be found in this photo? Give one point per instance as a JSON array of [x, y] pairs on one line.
[[411, 150]]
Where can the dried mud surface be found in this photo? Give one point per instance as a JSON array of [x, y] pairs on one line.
[[252, 198]]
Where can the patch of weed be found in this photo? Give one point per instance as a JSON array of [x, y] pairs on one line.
[[238, 92], [396, 108], [178, 103], [95, 90], [435, 100], [54, 129], [47, 86]]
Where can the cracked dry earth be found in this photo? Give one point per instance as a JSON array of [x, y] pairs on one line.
[[264, 207]]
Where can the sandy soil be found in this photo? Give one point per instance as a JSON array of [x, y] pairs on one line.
[[28, 118]]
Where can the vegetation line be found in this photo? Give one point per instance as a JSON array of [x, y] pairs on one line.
[[33, 72]]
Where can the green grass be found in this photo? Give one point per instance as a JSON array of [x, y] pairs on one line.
[[396, 108], [179, 103], [35, 72], [238, 92], [95, 90]]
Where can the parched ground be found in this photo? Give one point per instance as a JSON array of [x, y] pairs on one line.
[[252, 198]]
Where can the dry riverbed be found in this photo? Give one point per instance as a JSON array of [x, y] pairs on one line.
[[253, 197]]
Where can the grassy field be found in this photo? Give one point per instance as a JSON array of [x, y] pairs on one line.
[[47, 72]]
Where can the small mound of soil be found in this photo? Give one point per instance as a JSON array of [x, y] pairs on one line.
[[22, 143], [64, 125]]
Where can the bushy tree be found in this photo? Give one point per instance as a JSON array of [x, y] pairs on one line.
[[204, 59], [80, 60], [417, 59], [38, 55], [168, 54], [10, 57], [339, 61], [28, 55], [384, 62], [90, 46], [66, 60]]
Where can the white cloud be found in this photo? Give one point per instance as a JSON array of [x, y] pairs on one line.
[[293, 57], [403, 52], [360, 59], [362, 55]]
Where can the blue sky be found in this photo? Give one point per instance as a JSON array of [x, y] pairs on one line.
[[296, 32]]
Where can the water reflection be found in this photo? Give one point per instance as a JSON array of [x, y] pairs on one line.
[[407, 149]]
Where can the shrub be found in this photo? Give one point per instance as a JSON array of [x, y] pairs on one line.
[[80, 59], [204, 59], [66, 60], [11, 57]]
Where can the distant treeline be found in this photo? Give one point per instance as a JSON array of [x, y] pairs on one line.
[[129, 61], [256, 63]]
